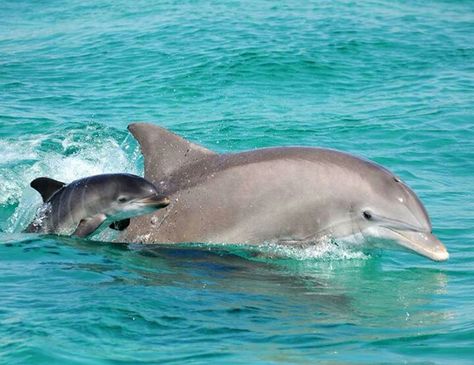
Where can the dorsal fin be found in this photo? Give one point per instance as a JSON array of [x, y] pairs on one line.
[[163, 151], [46, 186]]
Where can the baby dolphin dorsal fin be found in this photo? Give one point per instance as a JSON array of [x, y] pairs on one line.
[[163, 151], [46, 186]]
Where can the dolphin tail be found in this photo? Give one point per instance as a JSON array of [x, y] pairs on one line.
[[163, 151]]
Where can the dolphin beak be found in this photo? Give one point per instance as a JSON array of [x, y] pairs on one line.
[[156, 201], [423, 243]]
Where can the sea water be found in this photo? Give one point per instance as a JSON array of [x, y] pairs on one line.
[[392, 81]]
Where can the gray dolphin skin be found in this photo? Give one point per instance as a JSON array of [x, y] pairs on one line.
[[86, 205], [282, 195]]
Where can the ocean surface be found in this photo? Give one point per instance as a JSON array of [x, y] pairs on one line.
[[392, 81]]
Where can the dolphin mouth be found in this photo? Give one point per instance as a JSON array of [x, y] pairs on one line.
[[424, 243], [155, 201]]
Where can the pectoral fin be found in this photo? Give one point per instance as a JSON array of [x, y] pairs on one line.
[[120, 225], [89, 225]]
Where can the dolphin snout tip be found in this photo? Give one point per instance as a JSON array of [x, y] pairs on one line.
[[437, 251], [158, 201], [161, 201], [441, 254]]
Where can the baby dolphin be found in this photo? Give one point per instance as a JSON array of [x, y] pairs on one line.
[[85, 205]]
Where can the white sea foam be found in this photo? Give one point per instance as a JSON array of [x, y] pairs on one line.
[[324, 248], [41, 214], [19, 151]]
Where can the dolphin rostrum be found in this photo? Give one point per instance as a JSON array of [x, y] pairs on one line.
[[84, 205], [283, 194]]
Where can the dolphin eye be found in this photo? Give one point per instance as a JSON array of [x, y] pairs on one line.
[[367, 215], [122, 199]]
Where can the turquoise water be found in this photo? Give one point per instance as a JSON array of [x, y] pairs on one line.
[[389, 80]]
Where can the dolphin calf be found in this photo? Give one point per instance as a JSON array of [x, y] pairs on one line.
[[282, 195], [85, 205]]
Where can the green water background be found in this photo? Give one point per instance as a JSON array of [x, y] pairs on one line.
[[392, 81]]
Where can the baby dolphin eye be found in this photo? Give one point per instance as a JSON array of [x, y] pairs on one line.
[[367, 215]]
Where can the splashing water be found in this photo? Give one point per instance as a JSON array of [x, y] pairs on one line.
[[323, 249], [41, 214], [65, 157]]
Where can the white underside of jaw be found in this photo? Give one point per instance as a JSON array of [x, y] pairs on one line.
[[422, 243]]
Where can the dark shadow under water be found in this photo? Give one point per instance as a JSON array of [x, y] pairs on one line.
[[338, 285]]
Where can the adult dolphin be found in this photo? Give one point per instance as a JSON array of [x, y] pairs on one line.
[[283, 194], [86, 205]]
